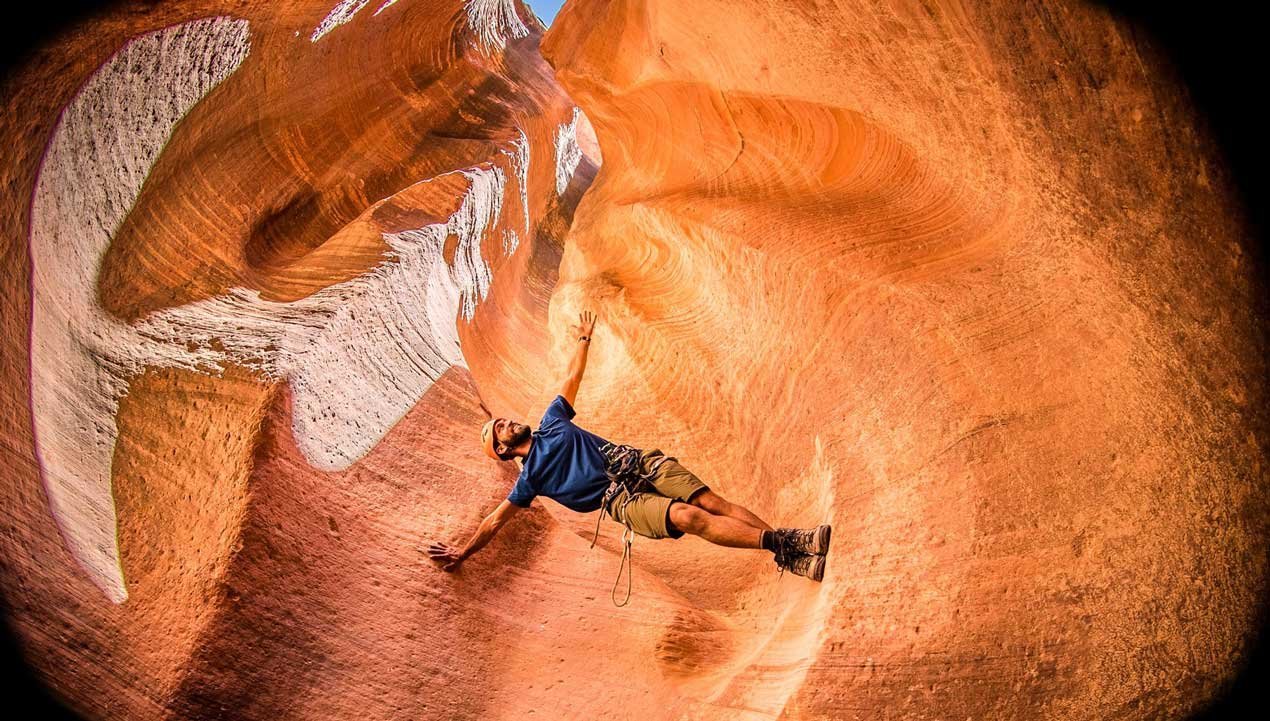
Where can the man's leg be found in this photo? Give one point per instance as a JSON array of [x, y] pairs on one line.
[[675, 481], [728, 531], [719, 530], [720, 506]]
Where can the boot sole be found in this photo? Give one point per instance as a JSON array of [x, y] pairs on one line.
[[816, 572], [818, 569], [822, 538]]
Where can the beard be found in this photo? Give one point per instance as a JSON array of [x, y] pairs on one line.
[[520, 434]]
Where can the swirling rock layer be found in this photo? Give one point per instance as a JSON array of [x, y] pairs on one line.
[[967, 281]]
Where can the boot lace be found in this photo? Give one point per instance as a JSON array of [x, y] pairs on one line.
[[786, 554]]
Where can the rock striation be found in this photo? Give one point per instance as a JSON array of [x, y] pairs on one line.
[[968, 281]]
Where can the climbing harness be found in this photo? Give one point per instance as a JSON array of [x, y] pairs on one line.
[[622, 467]]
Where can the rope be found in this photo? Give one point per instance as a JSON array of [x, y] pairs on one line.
[[622, 467], [628, 535]]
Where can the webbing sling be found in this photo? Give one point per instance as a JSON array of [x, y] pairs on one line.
[[622, 467]]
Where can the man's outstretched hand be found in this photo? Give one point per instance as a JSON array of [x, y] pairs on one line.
[[447, 556], [586, 323]]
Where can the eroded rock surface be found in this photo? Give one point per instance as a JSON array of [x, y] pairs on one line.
[[969, 282]]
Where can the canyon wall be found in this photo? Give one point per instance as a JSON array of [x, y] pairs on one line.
[[968, 281]]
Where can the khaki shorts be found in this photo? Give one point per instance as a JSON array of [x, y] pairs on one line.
[[649, 513]]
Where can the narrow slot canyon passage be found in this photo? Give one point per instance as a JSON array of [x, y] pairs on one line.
[[971, 282]]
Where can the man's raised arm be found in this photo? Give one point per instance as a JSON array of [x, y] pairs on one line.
[[577, 366], [450, 557]]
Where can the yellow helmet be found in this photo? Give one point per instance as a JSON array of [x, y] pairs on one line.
[[488, 440]]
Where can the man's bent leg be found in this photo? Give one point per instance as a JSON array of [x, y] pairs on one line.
[[675, 481], [720, 506], [719, 530]]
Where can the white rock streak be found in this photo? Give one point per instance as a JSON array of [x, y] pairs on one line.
[[105, 143], [358, 355], [339, 15], [493, 22], [568, 154], [387, 4], [801, 622], [519, 155]]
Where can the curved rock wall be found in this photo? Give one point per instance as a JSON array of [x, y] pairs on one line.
[[968, 282], [242, 221]]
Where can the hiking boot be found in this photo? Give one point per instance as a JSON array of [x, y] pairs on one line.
[[801, 564], [812, 541]]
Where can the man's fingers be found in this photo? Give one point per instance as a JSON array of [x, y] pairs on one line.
[[440, 550], [445, 555]]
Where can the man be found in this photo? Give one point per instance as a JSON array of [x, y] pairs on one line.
[[653, 494]]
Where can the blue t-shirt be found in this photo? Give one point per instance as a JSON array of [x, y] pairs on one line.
[[564, 463]]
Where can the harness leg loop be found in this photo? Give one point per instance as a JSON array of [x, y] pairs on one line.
[[624, 472]]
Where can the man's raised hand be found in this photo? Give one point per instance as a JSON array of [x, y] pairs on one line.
[[586, 323]]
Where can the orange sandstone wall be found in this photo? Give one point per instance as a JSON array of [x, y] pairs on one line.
[[968, 282], [249, 247], [965, 279]]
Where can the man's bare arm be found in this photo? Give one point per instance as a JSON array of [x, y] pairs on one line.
[[450, 557], [577, 366]]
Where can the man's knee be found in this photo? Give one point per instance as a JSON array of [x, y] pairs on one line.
[[688, 518], [710, 501]]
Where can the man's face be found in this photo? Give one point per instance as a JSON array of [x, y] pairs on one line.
[[508, 434]]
